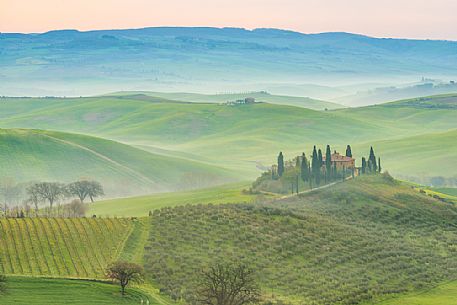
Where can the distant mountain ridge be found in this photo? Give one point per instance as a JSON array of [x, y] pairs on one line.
[[70, 62]]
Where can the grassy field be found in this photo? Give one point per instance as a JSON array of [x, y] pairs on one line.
[[56, 247], [140, 206], [446, 190], [246, 137], [265, 97], [420, 157], [445, 294], [359, 240], [46, 291], [29, 155]]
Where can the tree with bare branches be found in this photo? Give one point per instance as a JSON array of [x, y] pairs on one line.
[[225, 284], [85, 188], [50, 191]]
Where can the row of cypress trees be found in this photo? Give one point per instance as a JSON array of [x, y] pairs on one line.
[[371, 166], [311, 171]]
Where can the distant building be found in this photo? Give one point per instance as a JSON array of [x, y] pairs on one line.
[[247, 100], [341, 162]]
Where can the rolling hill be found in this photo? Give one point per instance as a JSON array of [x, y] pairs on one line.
[[70, 62], [427, 159], [140, 206], [36, 155], [371, 240], [246, 138], [360, 241], [261, 96]]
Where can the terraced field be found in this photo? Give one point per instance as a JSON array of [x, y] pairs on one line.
[[57, 247]]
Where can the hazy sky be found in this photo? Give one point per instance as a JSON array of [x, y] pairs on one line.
[[434, 19]]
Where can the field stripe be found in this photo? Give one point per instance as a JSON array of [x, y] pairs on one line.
[[46, 246], [35, 239], [65, 249], [27, 246], [17, 267], [6, 261], [79, 239], [92, 245], [55, 247]]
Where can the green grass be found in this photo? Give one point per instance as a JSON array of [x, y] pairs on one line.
[[30, 155], [230, 97], [244, 138], [419, 158], [133, 250], [364, 239], [445, 294], [446, 190], [57, 247], [47, 291], [140, 206]]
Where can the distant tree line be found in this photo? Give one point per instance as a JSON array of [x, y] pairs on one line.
[[51, 193]]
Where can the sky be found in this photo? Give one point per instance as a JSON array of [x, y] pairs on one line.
[[380, 18]]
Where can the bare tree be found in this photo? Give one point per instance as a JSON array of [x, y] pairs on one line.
[[50, 191], [84, 188], [124, 273], [225, 284], [33, 197]]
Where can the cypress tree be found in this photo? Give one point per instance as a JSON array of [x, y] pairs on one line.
[[328, 163], [379, 164], [304, 168], [315, 160], [310, 180], [319, 168], [364, 165], [348, 151], [315, 165], [372, 158], [280, 164]]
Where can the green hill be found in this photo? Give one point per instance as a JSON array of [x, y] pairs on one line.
[[427, 159], [57, 247], [140, 206], [261, 96], [28, 155], [243, 138], [361, 240]]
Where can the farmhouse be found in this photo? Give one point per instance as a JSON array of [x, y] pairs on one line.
[[340, 161]]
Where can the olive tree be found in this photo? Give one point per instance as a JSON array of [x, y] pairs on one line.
[[124, 273], [226, 284]]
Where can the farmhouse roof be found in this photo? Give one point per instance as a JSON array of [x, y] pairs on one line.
[[337, 157]]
